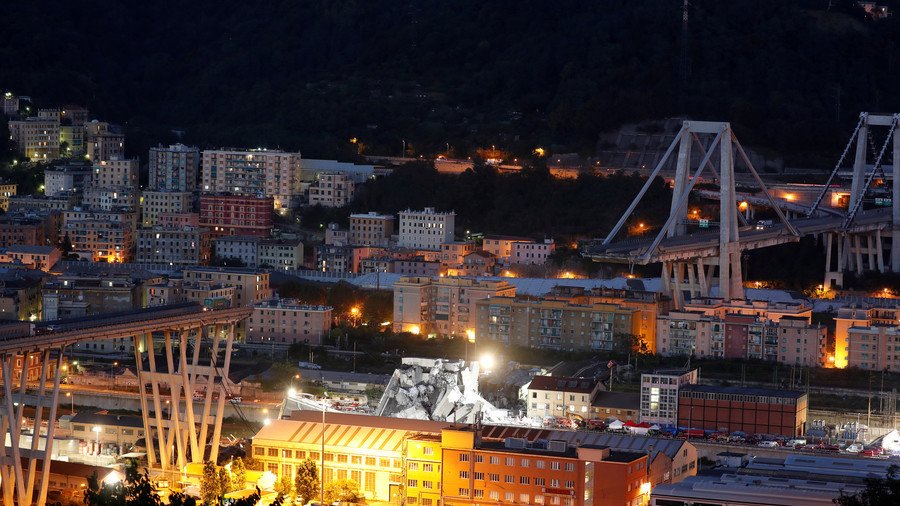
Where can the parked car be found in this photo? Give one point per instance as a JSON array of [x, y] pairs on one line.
[[768, 444]]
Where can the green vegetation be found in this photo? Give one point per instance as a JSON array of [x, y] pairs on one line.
[[791, 76], [878, 492]]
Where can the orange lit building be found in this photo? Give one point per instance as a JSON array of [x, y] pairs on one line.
[[425, 463]]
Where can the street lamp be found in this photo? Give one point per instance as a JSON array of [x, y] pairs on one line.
[[97, 429], [72, 398], [470, 338]]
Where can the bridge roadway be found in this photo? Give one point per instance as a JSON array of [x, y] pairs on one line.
[[141, 323], [706, 244]]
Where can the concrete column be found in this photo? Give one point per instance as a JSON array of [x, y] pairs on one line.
[[730, 280], [857, 189], [682, 179]]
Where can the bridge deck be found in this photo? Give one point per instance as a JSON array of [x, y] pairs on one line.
[[143, 322], [706, 244]]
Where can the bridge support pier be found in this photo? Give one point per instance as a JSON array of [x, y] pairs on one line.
[[690, 278], [21, 482], [177, 435]]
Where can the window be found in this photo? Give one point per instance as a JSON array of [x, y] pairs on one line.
[[428, 468], [413, 466], [554, 466], [494, 495], [510, 461], [370, 461], [508, 497], [342, 459], [570, 466], [426, 501], [463, 457], [273, 452], [479, 494], [525, 462], [524, 480], [494, 460], [570, 484], [464, 492], [413, 483], [428, 451], [539, 464], [479, 476], [464, 475], [259, 450], [523, 498], [508, 478], [479, 458], [539, 482], [494, 477]]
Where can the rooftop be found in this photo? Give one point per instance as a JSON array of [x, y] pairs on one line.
[[618, 400], [767, 392], [562, 384], [107, 419], [624, 456], [771, 491]]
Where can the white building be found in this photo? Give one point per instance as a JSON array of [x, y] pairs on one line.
[[426, 229], [659, 394], [63, 180], [332, 189], [280, 254], [242, 247], [531, 253]]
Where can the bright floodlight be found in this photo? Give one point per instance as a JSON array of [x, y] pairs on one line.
[[292, 392], [97, 429], [267, 421], [487, 361], [112, 478]]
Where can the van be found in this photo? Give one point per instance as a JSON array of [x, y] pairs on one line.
[[796, 442], [768, 444]]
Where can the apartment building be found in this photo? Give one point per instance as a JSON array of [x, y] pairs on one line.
[[26, 203], [649, 305], [178, 220], [443, 306], [336, 236], [20, 300], [103, 141], [858, 316], [531, 253], [173, 246], [240, 247], [561, 397], [343, 258], [210, 294], [7, 190], [174, 168], [63, 180], [105, 236], [36, 138], [115, 173], [750, 410], [453, 254], [280, 254], [501, 245], [332, 189], [371, 229], [120, 430], [286, 321], [801, 343], [768, 310], [41, 258], [874, 347], [255, 173], [251, 285], [236, 215], [690, 333], [73, 295], [659, 394], [155, 203], [556, 324], [426, 230], [110, 199], [35, 229]]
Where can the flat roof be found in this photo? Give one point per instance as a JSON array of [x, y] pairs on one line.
[[756, 490], [562, 384], [767, 392], [624, 400], [624, 456]]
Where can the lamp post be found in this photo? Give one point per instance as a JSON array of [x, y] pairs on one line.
[[322, 455], [72, 398]]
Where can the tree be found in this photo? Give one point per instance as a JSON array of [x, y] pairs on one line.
[[210, 486], [66, 244], [225, 484], [878, 492], [238, 474], [306, 483], [283, 486], [342, 491], [135, 489]]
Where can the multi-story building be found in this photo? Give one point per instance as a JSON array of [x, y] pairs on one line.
[[286, 321], [103, 141], [174, 169], [36, 229], [120, 430], [7, 190], [332, 189], [155, 203], [41, 258], [36, 138], [240, 247], [10, 103], [173, 246], [426, 229], [556, 324], [874, 347], [73, 295], [110, 199], [251, 285], [115, 173], [63, 180], [20, 298], [336, 236], [690, 333], [768, 310], [26, 203], [649, 304], [453, 253], [659, 394], [531, 253], [444, 306], [280, 254], [343, 259], [178, 220], [749, 410], [857, 316], [105, 236], [415, 266], [622, 406], [256, 173], [800, 343], [210, 294], [501, 245], [426, 463], [561, 397], [236, 215], [371, 229]]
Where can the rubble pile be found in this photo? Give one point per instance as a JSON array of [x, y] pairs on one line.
[[436, 389]]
